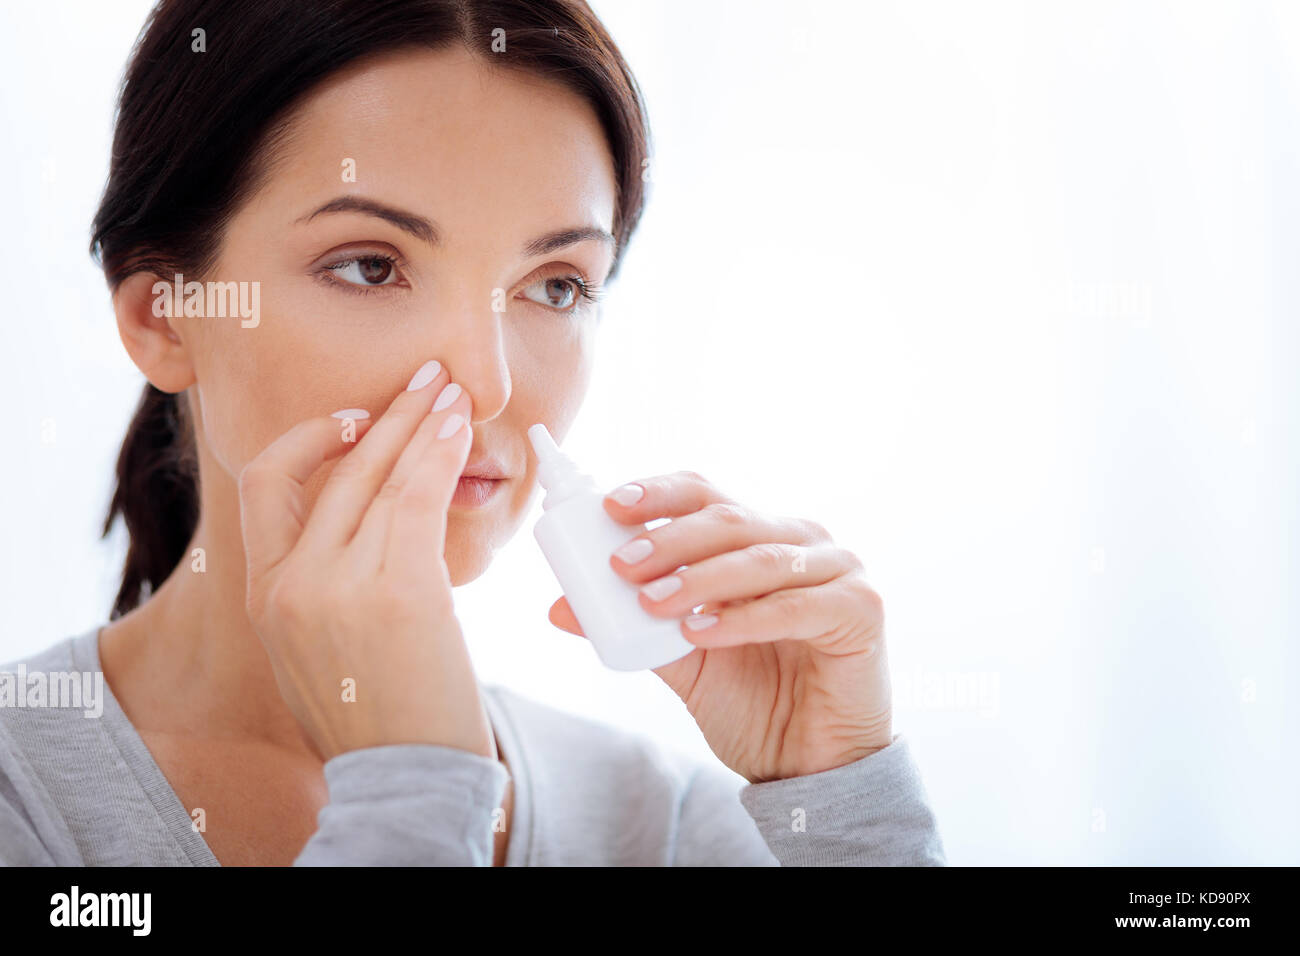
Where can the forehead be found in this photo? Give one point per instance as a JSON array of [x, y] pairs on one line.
[[448, 135]]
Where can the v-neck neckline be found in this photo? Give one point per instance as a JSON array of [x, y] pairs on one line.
[[180, 826]]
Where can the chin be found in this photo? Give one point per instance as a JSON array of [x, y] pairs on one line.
[[465, 564]]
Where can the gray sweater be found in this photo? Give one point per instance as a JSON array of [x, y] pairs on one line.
[[80, 789]]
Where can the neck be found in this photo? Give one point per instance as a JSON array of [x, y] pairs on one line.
[[188, 658]]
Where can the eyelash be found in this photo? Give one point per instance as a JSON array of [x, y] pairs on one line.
[[586, 291], [591, 293], [323, 273]]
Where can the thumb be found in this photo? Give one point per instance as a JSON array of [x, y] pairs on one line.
[[271, 507], [562, 616]]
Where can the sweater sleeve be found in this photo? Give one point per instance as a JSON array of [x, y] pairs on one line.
[[872, 812], [407, 805]]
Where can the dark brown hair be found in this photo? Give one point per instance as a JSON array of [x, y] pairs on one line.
[[193, 139]]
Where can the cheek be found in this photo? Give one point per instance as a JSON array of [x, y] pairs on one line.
[[549, 387], [231, 397], [256, 384], [240, 417], [552, 385]]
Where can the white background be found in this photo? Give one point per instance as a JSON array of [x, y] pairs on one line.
[[1001, 294]]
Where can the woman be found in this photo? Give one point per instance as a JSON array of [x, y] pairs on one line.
[[415, 204]]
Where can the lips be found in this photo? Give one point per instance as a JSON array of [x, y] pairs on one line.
[[475, 492], [482, 478], [483, 466]]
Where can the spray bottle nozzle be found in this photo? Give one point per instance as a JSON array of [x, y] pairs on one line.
[[556, 472], [543, 444]]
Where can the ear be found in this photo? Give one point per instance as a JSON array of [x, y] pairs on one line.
[[153, 344]]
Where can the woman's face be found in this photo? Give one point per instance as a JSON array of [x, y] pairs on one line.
[[495, 162]]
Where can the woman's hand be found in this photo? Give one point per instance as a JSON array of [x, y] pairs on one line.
[[354, 606], [792, 677]]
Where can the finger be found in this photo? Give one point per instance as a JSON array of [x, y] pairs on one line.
[[562, 616], [841, 616], [717, 528], [745, 574], [663, 496], [353, 483], [417, 533], [370, 543], [271, 497]]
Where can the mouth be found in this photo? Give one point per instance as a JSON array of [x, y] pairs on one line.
[[483, 466], [472, 492], [480, 482]]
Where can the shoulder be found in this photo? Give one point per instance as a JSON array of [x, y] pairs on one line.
[[74, 773], [47, 744], [37, 709], [55, 656], [45, 700]]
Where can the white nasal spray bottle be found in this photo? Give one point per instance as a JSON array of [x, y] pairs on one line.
[[577, 537]]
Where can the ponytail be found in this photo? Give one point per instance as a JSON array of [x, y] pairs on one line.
[[157, 494]]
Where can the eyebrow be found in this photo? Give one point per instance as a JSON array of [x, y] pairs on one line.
[[408, 222], [427, 231], [553, 241]]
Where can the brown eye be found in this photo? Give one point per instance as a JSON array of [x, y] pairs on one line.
[[557, 293], [375, 271], [365, 270]]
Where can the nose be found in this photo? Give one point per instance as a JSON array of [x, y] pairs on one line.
[[473, 349]]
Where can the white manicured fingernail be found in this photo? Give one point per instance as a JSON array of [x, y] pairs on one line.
[[658, 590], [451, 426], [427, 373], [698, 622], [447, 396], [638, 549], [352, 413], [627, 494]]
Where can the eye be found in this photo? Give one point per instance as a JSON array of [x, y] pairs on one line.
[[563, 293], [366, 270]]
